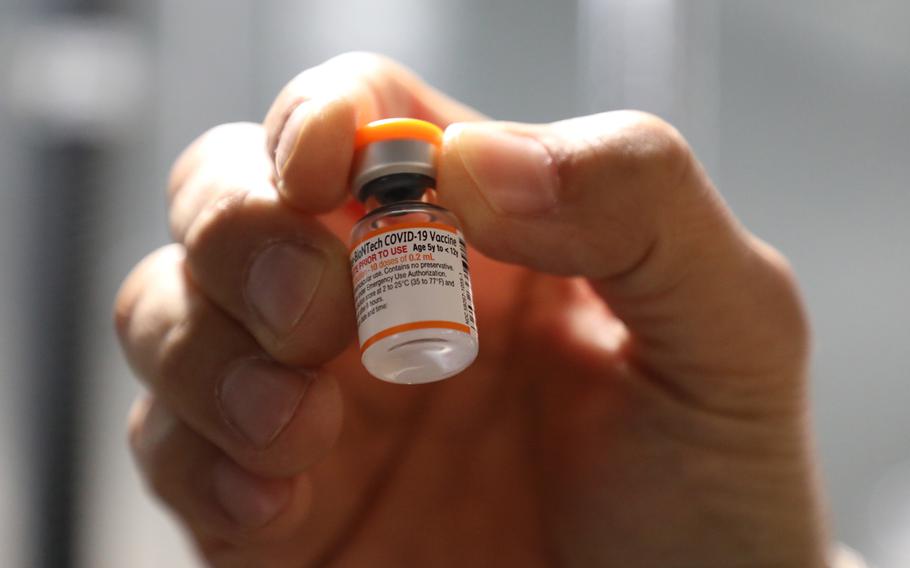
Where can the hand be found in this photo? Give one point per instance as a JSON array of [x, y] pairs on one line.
[[640, 395]]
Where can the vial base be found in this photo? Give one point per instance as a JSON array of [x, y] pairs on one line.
[[420, 355]]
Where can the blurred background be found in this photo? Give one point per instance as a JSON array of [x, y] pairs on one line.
[[800, 111]]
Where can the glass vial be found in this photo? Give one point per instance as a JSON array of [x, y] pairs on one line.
[[412, 289]]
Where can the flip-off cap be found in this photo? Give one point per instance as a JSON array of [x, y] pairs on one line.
[[394, 146]]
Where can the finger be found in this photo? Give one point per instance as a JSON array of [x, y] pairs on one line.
[[197, 181], [311, 124], [202, 364], [223, 505], [620, 199], [276, 269]]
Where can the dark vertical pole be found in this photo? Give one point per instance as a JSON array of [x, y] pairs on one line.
[[66, 171], [65, 179]]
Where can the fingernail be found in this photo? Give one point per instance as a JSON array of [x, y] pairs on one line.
[[290, 135], [259, 399], [516, 173], [249, 500], [282, 282]]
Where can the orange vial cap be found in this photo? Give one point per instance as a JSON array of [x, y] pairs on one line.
[[398, 129]]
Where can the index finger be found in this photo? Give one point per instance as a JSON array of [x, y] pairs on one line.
[[310, 126]]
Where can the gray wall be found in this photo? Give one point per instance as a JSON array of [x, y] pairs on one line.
[[799, 110], [815, 157]]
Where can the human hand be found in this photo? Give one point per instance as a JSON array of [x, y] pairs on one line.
[[640, 394]]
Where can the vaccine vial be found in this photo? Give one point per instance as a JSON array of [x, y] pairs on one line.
[[409, 264]]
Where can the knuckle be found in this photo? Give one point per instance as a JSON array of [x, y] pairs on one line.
[[175, 352], [158, 482], [217, 220], [359, 61], [776, 261], [219, 552], [628, 168], [637, 151], [137, 416], [220, 136], [134, 285], [125, 303], [186, 353], [187, 162], [376, 77], [228, 136], [151, 429], [651, 145], [790, 316]]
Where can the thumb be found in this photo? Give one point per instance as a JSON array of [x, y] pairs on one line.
[[620, 199]]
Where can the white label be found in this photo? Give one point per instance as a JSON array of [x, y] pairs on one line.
[[411, 276]]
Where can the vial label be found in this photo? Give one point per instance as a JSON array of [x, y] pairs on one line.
[[411, 276]]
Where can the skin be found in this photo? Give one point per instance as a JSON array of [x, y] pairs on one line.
[[640, 398]]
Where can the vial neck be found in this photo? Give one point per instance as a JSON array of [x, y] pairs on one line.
[[398, 188]]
